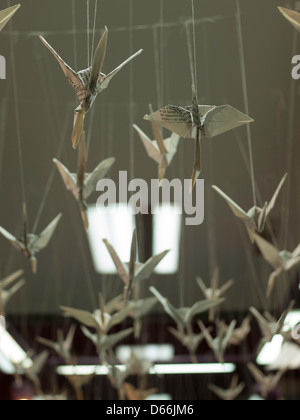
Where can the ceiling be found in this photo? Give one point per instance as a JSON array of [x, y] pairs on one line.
[[162, 75]]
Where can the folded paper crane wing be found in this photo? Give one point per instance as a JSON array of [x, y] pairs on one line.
[[84, 317], [273, 200], [7, 14], [14, 241], [42, 240], [292, 16], [121, 268], [280, 261], [146, 269], [6, 295], [236, 209], [230, 394], [215, 120], [7, 281], [161, 151]]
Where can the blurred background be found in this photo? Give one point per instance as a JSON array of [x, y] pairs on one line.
[[160, 76]]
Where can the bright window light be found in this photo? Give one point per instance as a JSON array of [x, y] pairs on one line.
[[151, 353], [159, 397], [116, 224], [167, 235], [11, 353], [190, 369], [167, 369]]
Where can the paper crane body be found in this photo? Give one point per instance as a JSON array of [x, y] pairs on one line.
[[5, 293], [133, 273], [7, 14], [198, 122], [190, 341], [31, 244], [87, 83], [160, 150], [219, 344], [269, 326], [267, 383], [255, 219], [280, 260], [82, 185], [230, 394], [214, 292], [239, 334], [292, 16], [63, 346]]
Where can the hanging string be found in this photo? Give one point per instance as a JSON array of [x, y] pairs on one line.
[[94, 27], [74, 34], [157, 66], [131, 113], [245, 93], [161, 96], [194, 45], [51, 176], [290, 139], [17, 116], [88, 30]]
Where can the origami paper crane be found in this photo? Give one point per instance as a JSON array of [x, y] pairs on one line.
[[198, 122], [133, 272], [99, 320], [239, 334], [184, 316], [31, 244], [6, 295], [82, 184], [189, 340], [230, 394], [104, 342], [255, 219], [292, 16], [102, 322], [160, 150], [137, 367], [134, 394], [7, 14], [269, 326], [219, 344], [63, 345], [88, 83], [280, 260], [267, 383], [214, 292]]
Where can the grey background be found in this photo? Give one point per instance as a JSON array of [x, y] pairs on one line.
[[46, 102]]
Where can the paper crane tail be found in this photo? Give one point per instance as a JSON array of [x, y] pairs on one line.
[[271, 283], [161, 174], [78, 127], [85, 220], [33, 262], [196, 172]]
